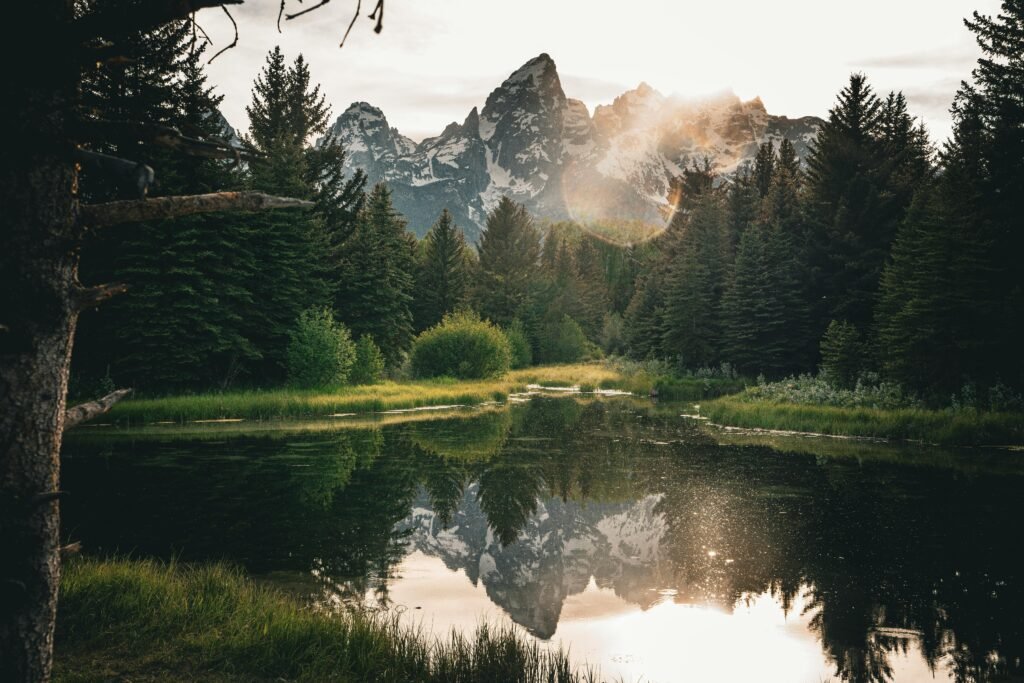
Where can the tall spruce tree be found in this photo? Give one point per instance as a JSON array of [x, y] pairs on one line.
[[442, 272], [509, 253], [284, 113], [764, 167], [375, 292], [695, 280], [188, 274], [863, 169]]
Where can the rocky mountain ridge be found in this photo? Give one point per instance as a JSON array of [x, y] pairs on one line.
[[532, 142]]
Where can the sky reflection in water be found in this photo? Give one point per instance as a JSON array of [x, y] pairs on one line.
[[614, 529]]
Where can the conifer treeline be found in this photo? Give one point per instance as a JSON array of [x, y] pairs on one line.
[[893, 258], [906, 254]]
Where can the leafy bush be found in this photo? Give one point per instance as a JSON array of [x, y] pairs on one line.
[[462, 345], [820, 391], [563, 341], [519, 342], [842, 354], [320, 350], [369, 363]]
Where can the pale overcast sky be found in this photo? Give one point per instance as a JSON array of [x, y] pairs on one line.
[[436, 59]]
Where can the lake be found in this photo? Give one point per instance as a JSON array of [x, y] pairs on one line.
[[646, 544]]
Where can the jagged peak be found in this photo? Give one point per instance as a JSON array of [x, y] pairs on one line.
[[472, 123], [363, 110], [535, 69]]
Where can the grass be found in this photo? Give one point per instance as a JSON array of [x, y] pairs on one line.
[[141, 620], [374, 398], [946, 427]]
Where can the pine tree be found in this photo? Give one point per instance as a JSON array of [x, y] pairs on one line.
[[442, 274], [764, 167], [644, 329], [509, 253], [375, 292], [996, 98], [917, 312], [695, 280], [187, 274], [592, 288], [284, 113], [743, 209], [846, 252], [744, 302]]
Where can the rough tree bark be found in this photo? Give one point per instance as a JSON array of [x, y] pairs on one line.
[[40, 298], [41, 228], [38, 271]]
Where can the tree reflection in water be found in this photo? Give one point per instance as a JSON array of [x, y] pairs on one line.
[[557, 491]]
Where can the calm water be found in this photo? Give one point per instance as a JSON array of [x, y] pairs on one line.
[[629, 536]]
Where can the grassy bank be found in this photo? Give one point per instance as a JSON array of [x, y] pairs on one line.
[[947, 427], [374, 398], [144, 621]]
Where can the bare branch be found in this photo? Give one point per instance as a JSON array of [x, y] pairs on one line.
[[70, 549], [113, 213], [233, 43], [138, 17], [87, 411], [310, 9], [83, 298], [359, 6], [280, 13], [378, 14]]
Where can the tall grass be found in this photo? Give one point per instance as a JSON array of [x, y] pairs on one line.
[[373, 398], [143, 620], [947, 427]]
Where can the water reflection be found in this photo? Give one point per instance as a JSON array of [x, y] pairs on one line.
[[619, 532]]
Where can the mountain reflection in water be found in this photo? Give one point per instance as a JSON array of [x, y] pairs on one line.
[[623, 533]]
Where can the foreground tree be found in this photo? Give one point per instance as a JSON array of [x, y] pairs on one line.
[[442, 272], [41, 297], [509, 254]]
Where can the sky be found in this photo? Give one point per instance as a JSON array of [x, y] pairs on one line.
[[436, 59]]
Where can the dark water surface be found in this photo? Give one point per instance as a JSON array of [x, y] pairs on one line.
[[630, 536]]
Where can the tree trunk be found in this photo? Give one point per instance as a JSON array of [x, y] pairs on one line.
[[38, 270]]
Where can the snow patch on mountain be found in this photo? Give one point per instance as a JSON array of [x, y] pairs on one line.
[[541, 148]]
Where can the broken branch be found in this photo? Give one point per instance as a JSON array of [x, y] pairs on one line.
[[113, 213], [90, 297], [309, 9], [359, 5], [70, 549], [233, 42], [87, 411]]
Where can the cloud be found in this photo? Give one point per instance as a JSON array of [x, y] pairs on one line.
[[591, 89], [952, 57]]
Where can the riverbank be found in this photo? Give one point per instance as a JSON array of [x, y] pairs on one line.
[[390, 396], [146, 621], [944, 427]]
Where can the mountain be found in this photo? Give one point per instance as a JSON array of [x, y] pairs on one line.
[[547, 151], [562, 546]]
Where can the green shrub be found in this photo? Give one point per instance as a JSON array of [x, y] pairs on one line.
[[563, 341], [519, 343], [320, 350], [842, 354], [369, 364], [462, 346]]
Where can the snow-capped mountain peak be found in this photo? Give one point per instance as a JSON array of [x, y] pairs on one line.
[[532, 143]]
